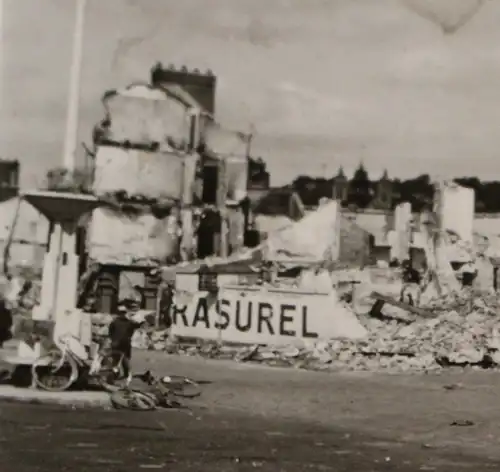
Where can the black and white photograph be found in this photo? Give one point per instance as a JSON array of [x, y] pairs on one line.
[[249, 235]]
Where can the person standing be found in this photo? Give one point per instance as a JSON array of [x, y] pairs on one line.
[[120, 334], [411, 280]]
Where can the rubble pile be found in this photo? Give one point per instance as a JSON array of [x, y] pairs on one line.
[[463, 332]]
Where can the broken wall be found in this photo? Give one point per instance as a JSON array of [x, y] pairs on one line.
[[455, 207], [152, 174], [236, 176], [354, 243], [122, 237], [119, 238], [142, 114], [400, 247]]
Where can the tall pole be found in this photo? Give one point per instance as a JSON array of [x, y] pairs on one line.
[[71, 136], [2, 101]]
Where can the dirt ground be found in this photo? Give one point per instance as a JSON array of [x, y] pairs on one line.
[[405, 408]]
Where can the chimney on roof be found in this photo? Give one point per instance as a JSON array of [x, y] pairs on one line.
[[201, 86]]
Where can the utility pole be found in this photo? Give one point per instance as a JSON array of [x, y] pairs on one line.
[[70, 138]]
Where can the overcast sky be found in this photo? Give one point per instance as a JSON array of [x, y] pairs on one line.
[[325, 82]]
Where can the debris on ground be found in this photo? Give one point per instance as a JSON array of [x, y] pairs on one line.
[[462, 423], [456, 335], [461, 330]]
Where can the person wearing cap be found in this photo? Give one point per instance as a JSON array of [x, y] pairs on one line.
[[120, 333]]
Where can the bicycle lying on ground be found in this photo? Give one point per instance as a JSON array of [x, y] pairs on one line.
[[61, 368], [162, 392]]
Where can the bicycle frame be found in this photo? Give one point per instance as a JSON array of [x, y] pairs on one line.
[[67, 351], [96, 364]]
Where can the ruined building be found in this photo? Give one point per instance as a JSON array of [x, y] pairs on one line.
[[174, 180]]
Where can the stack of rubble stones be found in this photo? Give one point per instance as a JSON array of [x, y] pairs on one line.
[[462, 331]]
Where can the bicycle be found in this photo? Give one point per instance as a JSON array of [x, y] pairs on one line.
[[133, 399], [62, 368], [163, 394]]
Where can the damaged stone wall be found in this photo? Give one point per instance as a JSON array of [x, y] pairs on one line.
[[456, 205], [236, 176], [126, 237], [143, 170], [354, 243], [131, 239], [150, 174], [144, 114]]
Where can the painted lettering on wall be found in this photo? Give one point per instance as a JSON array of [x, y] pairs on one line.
[[283, 319]]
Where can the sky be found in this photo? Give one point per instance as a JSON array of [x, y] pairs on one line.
[[324, 83]]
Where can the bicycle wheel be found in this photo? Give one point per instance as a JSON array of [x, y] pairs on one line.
[[111, 375], [181, 386], [133, 400], [55, 372]]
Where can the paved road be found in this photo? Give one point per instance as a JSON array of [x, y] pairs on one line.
[[42, 438]]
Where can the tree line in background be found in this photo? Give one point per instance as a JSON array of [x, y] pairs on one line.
[[419, 191]]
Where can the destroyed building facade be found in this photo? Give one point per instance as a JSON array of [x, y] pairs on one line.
[[167, 172]]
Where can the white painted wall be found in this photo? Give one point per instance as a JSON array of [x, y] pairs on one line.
[[114, 237], [151, 174], [143, 114], [400, 238], [457, 210]]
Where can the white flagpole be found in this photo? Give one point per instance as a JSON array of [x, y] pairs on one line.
[[2, 101], [71, 136]]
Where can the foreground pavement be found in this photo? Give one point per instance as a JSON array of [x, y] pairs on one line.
[[273, 419], [43, 438], [454, 410]]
